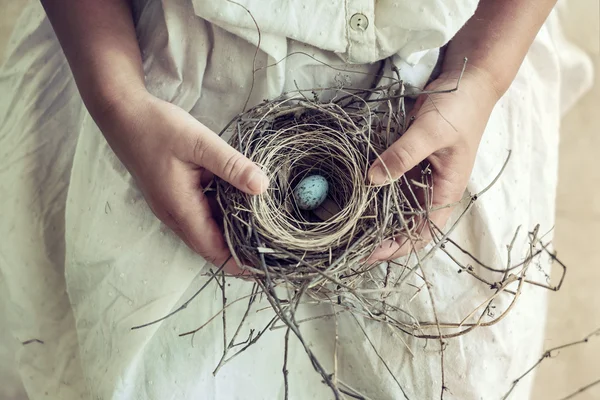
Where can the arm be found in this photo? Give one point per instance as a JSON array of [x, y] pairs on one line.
[[447, 128], [99, 41], [168, 152], [496, 39]]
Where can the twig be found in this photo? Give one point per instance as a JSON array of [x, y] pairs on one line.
[[455, 224], [32, 341], [380, 358], [285, 359], [216, 315], [581, 390], [256, 50], [184, 305], [288, 319], [251, 341], [224, 319], [227, 347], [350, 391], [429, 92], [548, 354]]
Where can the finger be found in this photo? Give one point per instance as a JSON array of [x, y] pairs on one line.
[[450, 176], [214, 154], [208, 187], [409, 150], [402, 245], [388, 250], [190, 212], [230, 266], [206, 178], [451, 173]]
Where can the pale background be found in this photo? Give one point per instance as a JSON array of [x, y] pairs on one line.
[[575, 310]]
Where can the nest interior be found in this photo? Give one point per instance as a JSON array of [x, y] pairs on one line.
[[291, 138]]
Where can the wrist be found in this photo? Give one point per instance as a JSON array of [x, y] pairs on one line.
[[105, 94], [115, 110], [479, 82], [112, 100]]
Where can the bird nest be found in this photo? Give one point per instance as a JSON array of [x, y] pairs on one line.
[[325, 253], [292, 138]]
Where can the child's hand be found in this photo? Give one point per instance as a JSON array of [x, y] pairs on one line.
[[170, 155], [446, 131]]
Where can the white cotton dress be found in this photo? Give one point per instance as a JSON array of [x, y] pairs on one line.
[[83, 259]]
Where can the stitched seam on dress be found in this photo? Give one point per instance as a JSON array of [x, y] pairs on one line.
[[346, 23]]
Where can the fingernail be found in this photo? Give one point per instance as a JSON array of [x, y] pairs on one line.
[[378, 175], [258, 182]]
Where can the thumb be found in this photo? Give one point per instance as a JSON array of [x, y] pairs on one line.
[[214, 154], [410, 149]]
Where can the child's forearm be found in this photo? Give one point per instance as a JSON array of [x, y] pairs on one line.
[[496, 40], [99, 41]]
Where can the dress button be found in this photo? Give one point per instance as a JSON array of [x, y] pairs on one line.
[[359, 22]]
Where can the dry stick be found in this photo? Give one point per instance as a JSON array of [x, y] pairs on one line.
[[216, 315], [335, 352], [395, 80], [479, 322], [583, 389], [334, 264], [402, 340], [486, 303], [506, 280], [379, 356], [403, 327], [390, 321], [511, 246], [433, 307], [548, 354], [438, 111], [317, 317], [255, 52], [513, 267], [410, 238], [285, 358], [274, 300], [441, 340], [250, 342], [184, 305], [468, 270], [499, 287], [401, 106], [302, 53], [224, 315], [562, 265], [317, 271], [471, 201], [455, 224], [428, 92], [227, 347], [294, 328], [350, 391], [480, 263], [352, 395]]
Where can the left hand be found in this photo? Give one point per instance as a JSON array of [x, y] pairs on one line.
[[446, 131]]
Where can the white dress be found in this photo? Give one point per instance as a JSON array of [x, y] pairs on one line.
[[83, 259]]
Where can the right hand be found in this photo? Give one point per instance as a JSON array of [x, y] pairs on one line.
[[171, 155]]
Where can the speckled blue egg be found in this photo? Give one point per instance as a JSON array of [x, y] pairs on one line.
[[311, 192]]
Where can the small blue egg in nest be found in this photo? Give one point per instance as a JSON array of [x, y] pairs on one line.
[[311, 192]]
